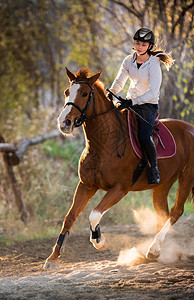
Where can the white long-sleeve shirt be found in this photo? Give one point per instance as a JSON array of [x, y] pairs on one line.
[[145, 82]]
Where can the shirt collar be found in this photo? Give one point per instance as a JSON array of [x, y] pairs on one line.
[[145, 63]]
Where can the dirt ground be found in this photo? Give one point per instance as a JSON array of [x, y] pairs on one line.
[[86, 273]]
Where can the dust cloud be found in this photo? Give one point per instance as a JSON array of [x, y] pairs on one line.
[[175, 247], [146, 220]]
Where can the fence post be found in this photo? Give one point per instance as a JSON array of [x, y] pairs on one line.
[[14, 185]]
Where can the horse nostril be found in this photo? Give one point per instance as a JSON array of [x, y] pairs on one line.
[[68, 122]]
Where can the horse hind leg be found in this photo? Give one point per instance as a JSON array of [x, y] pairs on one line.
[[113, 196], [184, 188], [160, 203]]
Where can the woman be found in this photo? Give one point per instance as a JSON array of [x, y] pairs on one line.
[[143, 70]]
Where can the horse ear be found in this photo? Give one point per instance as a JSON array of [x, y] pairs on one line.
[[93, 78], [70, 75]]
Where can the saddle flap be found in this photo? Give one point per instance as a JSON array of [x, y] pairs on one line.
[[163, 139]]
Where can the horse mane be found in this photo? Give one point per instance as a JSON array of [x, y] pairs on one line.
[[84, 74]]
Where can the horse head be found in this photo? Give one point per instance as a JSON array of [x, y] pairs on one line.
[[79, 100]]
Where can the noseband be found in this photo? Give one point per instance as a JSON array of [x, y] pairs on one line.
[[82, 118]]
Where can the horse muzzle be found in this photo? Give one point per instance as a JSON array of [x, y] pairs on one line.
[[65, 127]]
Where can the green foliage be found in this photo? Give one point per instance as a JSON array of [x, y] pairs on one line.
[[69, 150], [29, 51]]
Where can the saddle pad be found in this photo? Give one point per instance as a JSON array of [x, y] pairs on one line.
[[163, 139]]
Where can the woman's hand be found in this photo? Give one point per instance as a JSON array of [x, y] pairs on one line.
[[125, 103], [110, 96]]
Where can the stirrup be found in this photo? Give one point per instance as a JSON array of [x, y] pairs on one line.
[[153, 175]]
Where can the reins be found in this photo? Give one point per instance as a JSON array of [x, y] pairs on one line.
[[131, 109], [80, 120]]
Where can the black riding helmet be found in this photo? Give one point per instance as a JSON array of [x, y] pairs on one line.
[[144, 35]]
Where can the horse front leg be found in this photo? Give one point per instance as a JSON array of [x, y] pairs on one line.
[[81, 198], [113, 196]]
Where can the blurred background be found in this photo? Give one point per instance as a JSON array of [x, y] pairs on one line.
[[38, 39]]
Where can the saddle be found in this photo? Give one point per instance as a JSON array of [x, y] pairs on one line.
[[163, 139]]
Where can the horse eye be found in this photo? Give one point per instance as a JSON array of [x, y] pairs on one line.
[[84, 94]]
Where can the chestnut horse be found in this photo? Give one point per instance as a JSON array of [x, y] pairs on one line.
[[100, 166]]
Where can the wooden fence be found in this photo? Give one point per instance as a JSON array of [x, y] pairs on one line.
[[12, 154]]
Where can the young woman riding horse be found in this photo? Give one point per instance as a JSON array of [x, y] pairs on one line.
[[143, 70], [101, 167]]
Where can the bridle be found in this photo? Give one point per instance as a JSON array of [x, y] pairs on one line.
[[82, 118]]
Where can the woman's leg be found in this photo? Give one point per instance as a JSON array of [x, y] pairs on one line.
[[152, 171], [148, 112]]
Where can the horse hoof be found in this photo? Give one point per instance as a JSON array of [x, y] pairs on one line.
[[102, 245], [51, 265], [154, 250], [151, 256]]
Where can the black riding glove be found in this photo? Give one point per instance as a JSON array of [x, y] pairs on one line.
[[110, 96], [125, 103]]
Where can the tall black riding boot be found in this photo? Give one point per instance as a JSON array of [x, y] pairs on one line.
[[152, 170]]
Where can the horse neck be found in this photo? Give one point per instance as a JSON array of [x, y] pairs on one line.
[[101, 129]]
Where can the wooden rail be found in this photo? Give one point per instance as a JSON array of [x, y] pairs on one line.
[[12, 154]]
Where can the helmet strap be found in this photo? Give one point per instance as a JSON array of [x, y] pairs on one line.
[[147, 51], [144, 53]]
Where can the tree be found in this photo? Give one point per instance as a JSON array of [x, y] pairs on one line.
[[30, 51], [40, 38]]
